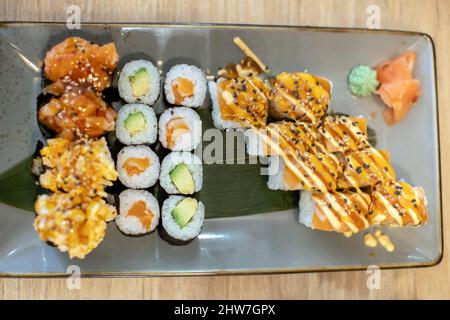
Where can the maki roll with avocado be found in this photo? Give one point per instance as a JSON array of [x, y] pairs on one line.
[[136, 124], [181, 173], [138, 167], [180, 129], [182, 219], [185, 85], [138, 212], [139, 81]]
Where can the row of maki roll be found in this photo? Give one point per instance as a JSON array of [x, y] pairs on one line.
[[137, 164], [184, 85], [179, 130], [181, 176]]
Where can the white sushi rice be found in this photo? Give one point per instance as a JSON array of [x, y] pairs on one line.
[[192, 73], [188, 141], [124, 84], [220, 123], [305, 208], [254, 143], [189, 231], [276, 174], [145, 136], [131, 224], [169, 163], [145, 179]]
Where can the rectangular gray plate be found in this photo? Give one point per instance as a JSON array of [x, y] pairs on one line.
[[270, 242]]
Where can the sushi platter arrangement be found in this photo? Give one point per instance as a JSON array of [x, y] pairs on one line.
[[124, 142]]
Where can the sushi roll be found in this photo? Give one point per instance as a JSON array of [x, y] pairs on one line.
[[139, 81], [181, 173], [185, 85], [136, 124], [398, 204], [182, 219], [180, 129], [335, 211], [138, 167], [280, 177], [299, 96], [306, 172], [138, 212], [254, 143], [239, 103]]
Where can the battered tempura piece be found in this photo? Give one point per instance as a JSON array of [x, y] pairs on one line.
[[74, 217], [82, 168], [73, 225]]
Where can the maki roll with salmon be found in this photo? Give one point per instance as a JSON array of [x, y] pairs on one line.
[[182, 219], [138, 167], [139, 81], [136, 124], [138, 212], [181, 173], [185, 85], [180, 129]]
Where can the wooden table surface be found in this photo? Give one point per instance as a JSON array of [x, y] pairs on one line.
[[431, 16]]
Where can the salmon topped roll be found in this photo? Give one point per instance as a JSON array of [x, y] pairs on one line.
[[306, 172], [398, 204], [299, 96], [365, 168], [343, 134], [239, 102], [278, 136], [337, 211], [77, 64]]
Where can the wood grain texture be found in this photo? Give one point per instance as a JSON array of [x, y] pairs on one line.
[[432, 17]]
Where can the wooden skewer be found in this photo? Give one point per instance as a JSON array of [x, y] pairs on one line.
[[249, 53]]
